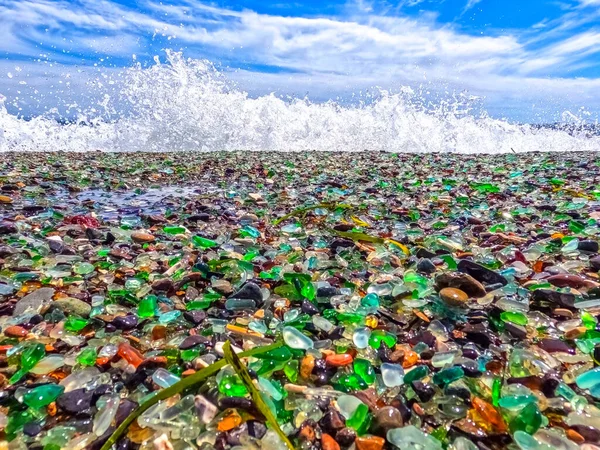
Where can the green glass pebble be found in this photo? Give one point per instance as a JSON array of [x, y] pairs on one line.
[[496, 391], [75, 323], [291, 370], [133, 284], [418, 373], [360, 420], [87, 357], [347, 382], [349, 318], [576, 227], [29, 358], [203, 243], [190, 354], [269, 366], [83, 268], [447, 376], [515, 402], [588, 320], [32, 355], [248, 231], [379, 336], [282, 353], [232, 386], [528, 420], [370, 301], [174, 229], [16, 421], [364, 369], [514, 317], [41, 396], [147, 306], [198, 304]]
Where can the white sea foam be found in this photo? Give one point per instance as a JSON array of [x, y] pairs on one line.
[[188, 105]]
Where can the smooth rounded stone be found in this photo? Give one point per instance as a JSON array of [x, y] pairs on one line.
[[309, 308], [392, 374], [425, 266], [237, 402], [56, 244], [595, 262], [454, 297], [192, 341], [481, 273], [32, 429], [361, 336], [518, 331], [564, 299], [249, 291], [588, 246], [572, 281], [125, 323], [72, 305], [34, 301], [196, 317], [555, 345], [462, 281], [589, 433], [296, 339], [410, 437], [387, 418], [256, 429], [237, 435], [75, 401], [162, 285], [6, 250], [126, 407], [7, 228], [164, 378], [142, 237], [346, 436], [326, 291]]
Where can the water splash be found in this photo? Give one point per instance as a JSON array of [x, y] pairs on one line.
[[187, 104]]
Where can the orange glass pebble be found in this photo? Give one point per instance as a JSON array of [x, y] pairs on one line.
[[329, 443], [102, 360], [489, 415], [130, 354], [230, 421], [575, 436], [410, 359], [369, 443], [343, 359], [307, 366], [15, 331]]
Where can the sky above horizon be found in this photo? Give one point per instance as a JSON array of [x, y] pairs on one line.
[[535, 60]]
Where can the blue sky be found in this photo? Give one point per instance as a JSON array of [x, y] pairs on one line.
[[529, 60]]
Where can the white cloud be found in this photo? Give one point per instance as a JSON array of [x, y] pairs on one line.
[[323, 54], [470, 4]]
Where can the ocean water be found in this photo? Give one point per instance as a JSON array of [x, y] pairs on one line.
[[187, 105]]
